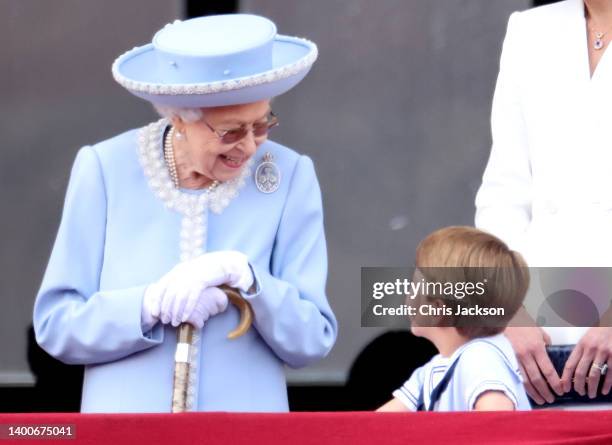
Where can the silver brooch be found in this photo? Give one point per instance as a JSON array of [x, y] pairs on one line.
[[267, 175]]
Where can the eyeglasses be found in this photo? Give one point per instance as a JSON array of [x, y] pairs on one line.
[[233, 135]]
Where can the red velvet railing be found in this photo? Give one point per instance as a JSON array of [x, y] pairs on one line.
[[539, 427]]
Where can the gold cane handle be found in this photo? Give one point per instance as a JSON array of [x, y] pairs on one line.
[[246, 312]]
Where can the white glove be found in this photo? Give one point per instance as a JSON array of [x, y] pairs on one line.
[[223, 267], [175, 296], [211, 301]]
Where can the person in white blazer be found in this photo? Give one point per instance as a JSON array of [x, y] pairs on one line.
[[547, 188]]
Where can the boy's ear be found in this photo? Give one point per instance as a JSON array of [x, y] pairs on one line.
[[436, 304], [441, 320]]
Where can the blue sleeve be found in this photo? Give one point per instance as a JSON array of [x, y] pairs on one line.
[[410, 391], [483, 369], [291, 310], [74, 321]]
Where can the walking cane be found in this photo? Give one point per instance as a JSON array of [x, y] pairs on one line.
[[186, 332]]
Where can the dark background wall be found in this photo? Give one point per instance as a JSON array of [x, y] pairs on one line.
[[395, 114]]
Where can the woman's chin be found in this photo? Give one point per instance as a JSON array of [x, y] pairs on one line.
[[225, 174], [226, 170]]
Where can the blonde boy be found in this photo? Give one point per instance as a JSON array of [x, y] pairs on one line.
[[476, 368]]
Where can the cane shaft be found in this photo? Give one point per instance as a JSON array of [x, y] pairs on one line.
[[181, 368], [183, 356]]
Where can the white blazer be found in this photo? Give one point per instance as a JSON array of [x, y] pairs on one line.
[[547, 188]]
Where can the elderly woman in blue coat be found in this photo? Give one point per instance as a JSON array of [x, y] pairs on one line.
[[155, 219]]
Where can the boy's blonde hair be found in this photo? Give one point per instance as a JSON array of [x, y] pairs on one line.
[[473, 256]]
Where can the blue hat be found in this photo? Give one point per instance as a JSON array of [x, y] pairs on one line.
[[213, 61]]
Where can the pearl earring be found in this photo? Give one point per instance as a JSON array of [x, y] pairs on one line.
[[179, 135]]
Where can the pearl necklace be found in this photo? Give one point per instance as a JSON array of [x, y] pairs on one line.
[[156, 170], [171, 161]]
